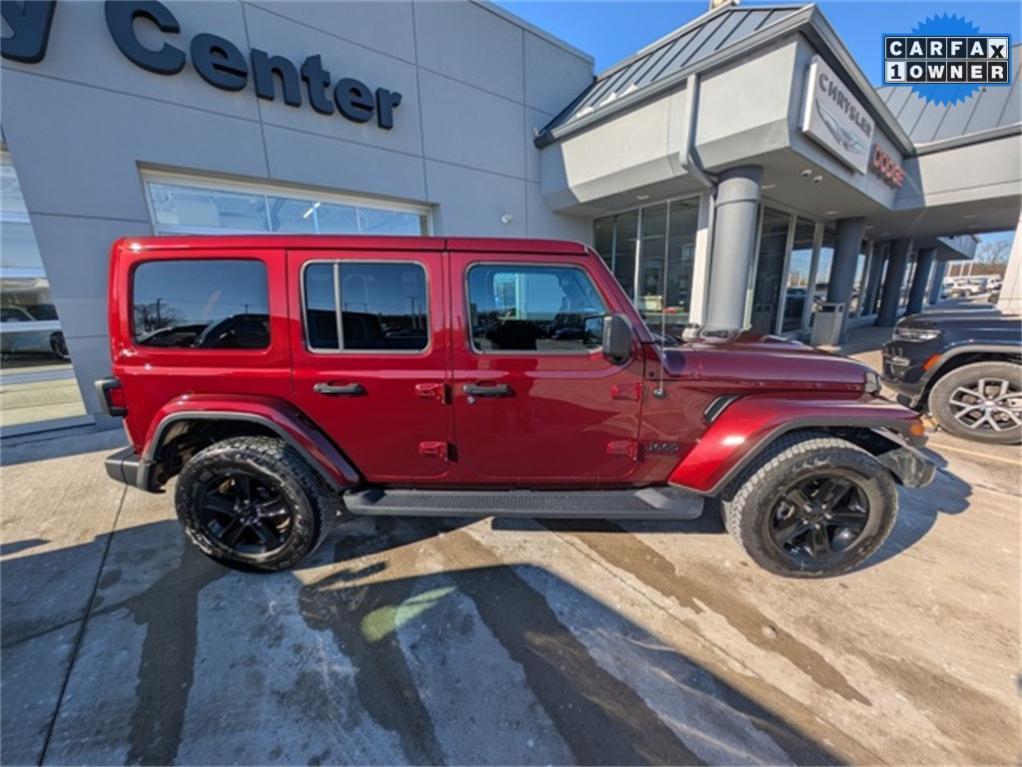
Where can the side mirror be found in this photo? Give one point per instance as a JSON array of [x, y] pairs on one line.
[[617, 337]]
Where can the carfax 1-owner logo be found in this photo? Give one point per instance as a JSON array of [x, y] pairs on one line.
[[946, 59]]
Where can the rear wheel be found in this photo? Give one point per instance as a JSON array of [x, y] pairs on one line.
[[981, 401], [253, 503], [812, 506]]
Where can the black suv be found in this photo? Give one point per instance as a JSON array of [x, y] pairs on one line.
[[964, 367]]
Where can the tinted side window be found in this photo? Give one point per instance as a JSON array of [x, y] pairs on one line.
[[383, 306], [216, 304], [533, 308]]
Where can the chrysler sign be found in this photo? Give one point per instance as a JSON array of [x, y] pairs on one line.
[[834, 119], [216, 60]]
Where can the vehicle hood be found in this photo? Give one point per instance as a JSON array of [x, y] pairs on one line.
[[751, 362], [977, 320]]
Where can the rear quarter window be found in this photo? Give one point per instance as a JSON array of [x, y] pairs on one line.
[[207, 304]]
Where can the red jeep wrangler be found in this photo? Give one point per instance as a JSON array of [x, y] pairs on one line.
[[287, 380]]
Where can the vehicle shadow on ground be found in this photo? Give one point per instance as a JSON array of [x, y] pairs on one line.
[[919, 509], [401, 641]]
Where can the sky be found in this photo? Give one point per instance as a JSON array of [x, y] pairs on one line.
[[612, 30]]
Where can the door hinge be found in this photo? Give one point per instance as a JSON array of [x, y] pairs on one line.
[[628, 447], [432, 449], [626, 391]]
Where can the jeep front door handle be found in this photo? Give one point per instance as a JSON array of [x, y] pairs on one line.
[[339, 390], [487, 390]]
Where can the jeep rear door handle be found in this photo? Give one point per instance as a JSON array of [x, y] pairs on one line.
[[488, 390], [339, 390]]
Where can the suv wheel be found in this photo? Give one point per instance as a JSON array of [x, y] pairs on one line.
[[981, 401], [811, 506], [253, 503], [59, 346]]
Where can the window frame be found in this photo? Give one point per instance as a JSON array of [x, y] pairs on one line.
[[475, 350], [336, 263], [144, 348]]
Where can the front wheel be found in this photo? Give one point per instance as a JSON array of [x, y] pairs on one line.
[[812, 506], [253, 503], [981, 401]]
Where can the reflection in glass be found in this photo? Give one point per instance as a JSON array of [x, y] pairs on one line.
[[859, 283], [320, 307], [798, 275], [219, 304], [681, 248], [773, 242], [181, 208], [653, 259], [384, 306], [18, 249], [336, 219], [38, 382], [290, 215], [374, 221], [627, 233], [532, 308], [175, 204], [823, 265]]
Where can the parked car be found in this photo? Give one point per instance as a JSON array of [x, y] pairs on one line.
[[405, 376], [968, 286], [964, 368], [13, 341]]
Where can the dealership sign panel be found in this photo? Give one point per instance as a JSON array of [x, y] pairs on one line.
[[836, 120]]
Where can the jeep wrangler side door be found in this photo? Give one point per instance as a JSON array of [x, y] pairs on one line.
[[535, 399], [369, 343]]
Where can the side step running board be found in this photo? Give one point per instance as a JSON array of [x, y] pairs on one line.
[[647, 503]]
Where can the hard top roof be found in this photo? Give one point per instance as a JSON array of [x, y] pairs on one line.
[[349, 242]]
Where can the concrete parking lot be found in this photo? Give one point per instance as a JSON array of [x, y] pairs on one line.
[[456, 641]]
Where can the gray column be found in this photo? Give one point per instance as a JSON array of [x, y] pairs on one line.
[[937, 285], [876, 271], [734, 244], [890, 291], [846, 259], [916, 293]]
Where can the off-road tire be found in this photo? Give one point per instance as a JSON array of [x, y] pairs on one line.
[[750, 500], [942, 411], [314, 509]]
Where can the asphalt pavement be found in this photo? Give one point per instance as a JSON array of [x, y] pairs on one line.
[[460, 641]]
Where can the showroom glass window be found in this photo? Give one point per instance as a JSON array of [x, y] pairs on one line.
[[516, 308], [384, 306], [39, 384], [767, 291], [800, 266], [824, 262], [861, 278], [192, 304], [181, 205], [651, 252]]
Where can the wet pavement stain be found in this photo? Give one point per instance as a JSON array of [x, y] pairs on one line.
[[385, 686], [167, 666], [602, 720], [624, 550]]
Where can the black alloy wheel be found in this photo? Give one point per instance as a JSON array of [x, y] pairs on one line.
[[245, 513], [819, 517]]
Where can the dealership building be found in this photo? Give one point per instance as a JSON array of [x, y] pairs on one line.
[[738, 172]]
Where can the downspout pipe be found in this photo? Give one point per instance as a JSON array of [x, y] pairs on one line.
[[689, 160]]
